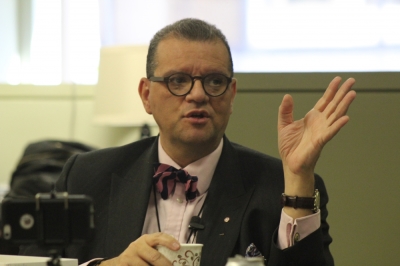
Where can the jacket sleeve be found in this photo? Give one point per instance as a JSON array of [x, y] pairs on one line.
[[312, 250]]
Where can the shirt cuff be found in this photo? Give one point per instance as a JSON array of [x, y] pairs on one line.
[[292, 230]]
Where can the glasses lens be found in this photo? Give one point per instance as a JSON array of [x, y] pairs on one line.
[[215, 84], [179, 84]]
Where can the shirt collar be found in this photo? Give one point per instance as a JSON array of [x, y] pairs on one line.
[[203, 168]]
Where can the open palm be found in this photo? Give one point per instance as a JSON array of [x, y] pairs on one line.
[[300, 142]]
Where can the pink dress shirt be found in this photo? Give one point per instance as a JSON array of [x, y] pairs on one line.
[[175, 213]]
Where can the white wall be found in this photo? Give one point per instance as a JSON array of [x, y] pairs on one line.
[[32, 113]]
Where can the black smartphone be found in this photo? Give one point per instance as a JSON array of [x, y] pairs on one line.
[[49, 219]]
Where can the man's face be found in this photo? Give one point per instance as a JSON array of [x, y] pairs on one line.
[[195, 119]]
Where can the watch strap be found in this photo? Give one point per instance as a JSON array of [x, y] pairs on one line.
[[310, 203]]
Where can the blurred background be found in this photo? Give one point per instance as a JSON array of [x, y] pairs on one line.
[[57, 56]]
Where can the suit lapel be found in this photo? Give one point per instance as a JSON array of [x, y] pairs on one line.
[[225, 205], [129, 197], [224, 209]]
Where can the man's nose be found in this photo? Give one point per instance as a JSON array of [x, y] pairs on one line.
[[197, 91]]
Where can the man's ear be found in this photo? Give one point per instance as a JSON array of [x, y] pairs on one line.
[[144, 92]]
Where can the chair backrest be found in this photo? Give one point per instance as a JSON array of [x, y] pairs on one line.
[[41, 165]]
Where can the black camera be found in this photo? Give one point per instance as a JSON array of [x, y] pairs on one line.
[[49, 219]]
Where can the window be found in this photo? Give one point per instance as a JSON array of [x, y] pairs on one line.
[[322, 36], [61, 42], [279, 35]]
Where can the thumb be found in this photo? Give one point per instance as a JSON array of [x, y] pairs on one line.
[[285, 114]]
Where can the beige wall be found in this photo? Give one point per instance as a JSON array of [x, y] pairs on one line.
[[360, 166], [32, 113]]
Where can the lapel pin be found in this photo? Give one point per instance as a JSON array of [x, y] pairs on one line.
[[226, 219]]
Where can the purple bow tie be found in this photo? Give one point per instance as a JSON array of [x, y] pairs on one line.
[[166, 176]]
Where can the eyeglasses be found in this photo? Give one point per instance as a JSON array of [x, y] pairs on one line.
[[180, 84]]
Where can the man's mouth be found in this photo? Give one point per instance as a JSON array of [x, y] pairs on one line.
[[197, 115]]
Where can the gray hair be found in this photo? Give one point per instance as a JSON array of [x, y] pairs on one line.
[[189, 29]]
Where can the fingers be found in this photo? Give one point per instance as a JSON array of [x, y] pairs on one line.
[[285, 114], [335, 111], [161, 239], [335, 127], [335, 102], [341, 99], [338, 110], [149, 254], [143, 252], [333, 96], [328, 95]]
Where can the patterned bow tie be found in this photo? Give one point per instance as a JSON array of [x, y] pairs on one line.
[[166, 176]]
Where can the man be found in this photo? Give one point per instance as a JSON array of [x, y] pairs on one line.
[[190, 91]]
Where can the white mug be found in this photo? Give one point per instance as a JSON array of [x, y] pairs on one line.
[[188, 254]]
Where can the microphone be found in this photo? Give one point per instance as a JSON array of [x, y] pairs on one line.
[[194, 226]]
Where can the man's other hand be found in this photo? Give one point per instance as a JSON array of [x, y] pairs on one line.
[[143, 252]]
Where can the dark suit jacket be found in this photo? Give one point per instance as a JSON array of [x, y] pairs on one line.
[[246, 187]]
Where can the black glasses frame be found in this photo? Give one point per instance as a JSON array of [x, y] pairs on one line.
[[166, 81]]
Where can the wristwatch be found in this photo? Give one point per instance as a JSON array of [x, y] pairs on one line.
[[311, 203]]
